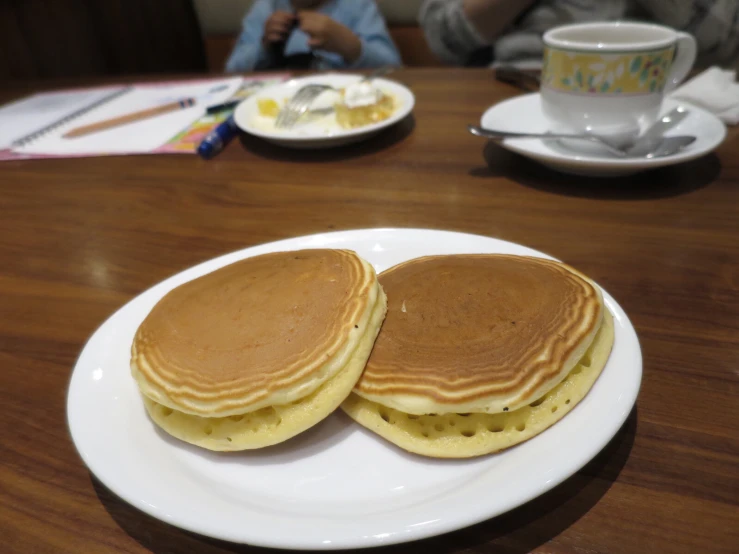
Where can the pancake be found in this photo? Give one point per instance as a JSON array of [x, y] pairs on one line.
[[273, 424], [468, 435], [478, 333], [480, 352], [259, 350]]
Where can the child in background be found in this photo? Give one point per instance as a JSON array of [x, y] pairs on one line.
[[284, 33]]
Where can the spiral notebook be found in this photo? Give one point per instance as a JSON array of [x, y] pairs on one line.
[[33, 127]]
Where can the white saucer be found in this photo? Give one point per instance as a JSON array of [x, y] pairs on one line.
[[336, 485], [524, 114], [325, 133]]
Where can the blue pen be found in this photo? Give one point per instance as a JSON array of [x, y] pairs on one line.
[[218, 138]]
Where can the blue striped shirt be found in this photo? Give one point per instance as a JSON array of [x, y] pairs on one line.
[[361, 16]]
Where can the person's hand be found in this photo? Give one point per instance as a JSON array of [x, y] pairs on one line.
[[278, 27], [326, 34]]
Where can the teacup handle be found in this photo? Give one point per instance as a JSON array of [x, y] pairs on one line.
[[684, 60]]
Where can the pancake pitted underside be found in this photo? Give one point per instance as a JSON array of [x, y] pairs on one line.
[[265, 330], [478, 333], [467, 435]]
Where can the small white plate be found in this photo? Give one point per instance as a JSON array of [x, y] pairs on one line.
[[325, 133], [336, 485], [524, 114]]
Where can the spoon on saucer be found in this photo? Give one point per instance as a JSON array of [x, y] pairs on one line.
[[665, 147], [670, 146]]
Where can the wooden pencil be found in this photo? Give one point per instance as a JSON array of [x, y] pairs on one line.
[[129, 118]]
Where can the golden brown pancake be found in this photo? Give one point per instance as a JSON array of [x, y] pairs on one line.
[[271, 424], [478, 333], [261, 333], [480, 352], [476, 434]]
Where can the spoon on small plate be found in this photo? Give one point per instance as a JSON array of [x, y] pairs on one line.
[[651, 144], [665, 147]]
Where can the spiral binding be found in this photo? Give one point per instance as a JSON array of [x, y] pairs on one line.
[[27, 139]]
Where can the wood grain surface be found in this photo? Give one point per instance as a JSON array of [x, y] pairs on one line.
[[80, 237]]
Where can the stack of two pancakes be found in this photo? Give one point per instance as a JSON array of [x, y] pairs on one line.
[[258, 351], [480, 352], [477, 352]]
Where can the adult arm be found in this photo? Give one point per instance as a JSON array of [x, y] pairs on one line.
[[455, 29], [713, 23]]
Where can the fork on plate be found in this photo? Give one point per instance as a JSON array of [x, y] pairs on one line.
[[298, 105], [301, 102]]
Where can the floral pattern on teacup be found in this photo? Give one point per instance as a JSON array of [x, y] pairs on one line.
[[614, 73]]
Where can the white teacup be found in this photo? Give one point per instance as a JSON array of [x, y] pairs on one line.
[[610, 78]]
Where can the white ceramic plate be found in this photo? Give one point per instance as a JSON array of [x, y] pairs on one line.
[[320, 134], [524, 114], [337, 485]]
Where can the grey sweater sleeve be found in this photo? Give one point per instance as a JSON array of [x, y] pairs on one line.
[[713, 23], [448, 32]]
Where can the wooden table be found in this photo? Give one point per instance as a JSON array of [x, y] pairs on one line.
[[79, 238]]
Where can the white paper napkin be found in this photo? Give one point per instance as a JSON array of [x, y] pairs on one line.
[[715, 90]]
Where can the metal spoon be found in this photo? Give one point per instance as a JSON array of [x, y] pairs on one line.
[[666, 147], [670, 146], [650, 144], [654, 136]]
